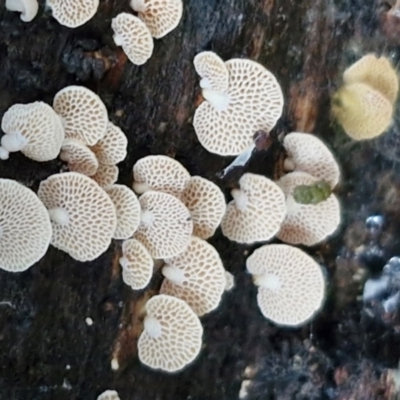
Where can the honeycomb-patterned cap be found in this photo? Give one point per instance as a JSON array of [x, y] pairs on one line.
[[73, 13], [309, 154], [83, 113], [109, 395], [196, 276], [307, 224], [128, 210], [83, 215], [166, 225], [106, 175], [257, 211], [79, 157], [291, 285], [27, 8], [160, 173], [225, 124], [206, 203], [212, 70], [172, 334], [25, 228], [160, 16], [112, 148], [137, 264], [34, 129], [134, 37]]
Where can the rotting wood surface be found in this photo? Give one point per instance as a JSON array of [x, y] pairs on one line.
[[47, 349]]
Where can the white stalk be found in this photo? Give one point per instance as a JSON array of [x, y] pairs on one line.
[[152, 327], [138, 5], [291, 205], [4, 154], [240, 160], [220, 101], [13, 142], [59, 216], [147, 217], [118, 40], [124, 262], [288, 164], [267, 281], [141, 187], [174, 274], [241, 199]]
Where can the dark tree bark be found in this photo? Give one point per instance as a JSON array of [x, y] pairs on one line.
[[47, 349]]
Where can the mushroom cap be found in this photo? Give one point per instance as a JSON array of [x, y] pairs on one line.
[[362, 112], [166, 225], [112, 148], [38, 126], [291, 284], [84, 114], [109, 395], [25, 228], [27, 8], [73, 13], [257, 211], [172, 337], [137, 264], [128, 210], [203, 277], [378, 73], [106, 175], [160, 173], [307, 224], [310, 154], [160, 16], [134, 37], [83, 215], [79, 157], [254, 102], [206, 203], [213, 71]]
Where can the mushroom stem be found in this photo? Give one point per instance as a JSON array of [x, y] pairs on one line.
[[240, 198], [291, 204], [267, 281], [140, 187], [4, 154], [220, 101], [59, 215], [289, 165], [240, 160], [124, 262], [118, 40], [138, 6], [152, 327], [174, 274], [13, 142], [147, 217]]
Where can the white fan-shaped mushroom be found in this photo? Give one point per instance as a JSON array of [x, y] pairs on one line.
[[106, 175]]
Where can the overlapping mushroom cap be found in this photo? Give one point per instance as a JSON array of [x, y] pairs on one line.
[[160, 16], [73, 13], [25, 228], [27, 8], [134, 37], [106, 175], [34, 129], [256, 212], [172, 335], [307, 224], [79, 157], [83, 215], [226, 122], [160, 173], [166, 225], [206, 204], [128, 210], [196, 276], [137, 264], [291, 284], [309, 154], [84, 115]]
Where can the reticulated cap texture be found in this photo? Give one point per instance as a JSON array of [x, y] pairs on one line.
[[196, 276], [73, 13], [84, 114], [257, 211], [137, 264], [79, 157], [160, 173], [160, 16], [134, 37], [166, 225], [212, 70], [112, 148], [378, 73], [25, 228], [128, 210], [309, 154], [109, 395], [83, 215], [172, 336], [34, 129], [206, 203], [226, 124], [291, 285], [307, 224], [106, 175], [27, 8]]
